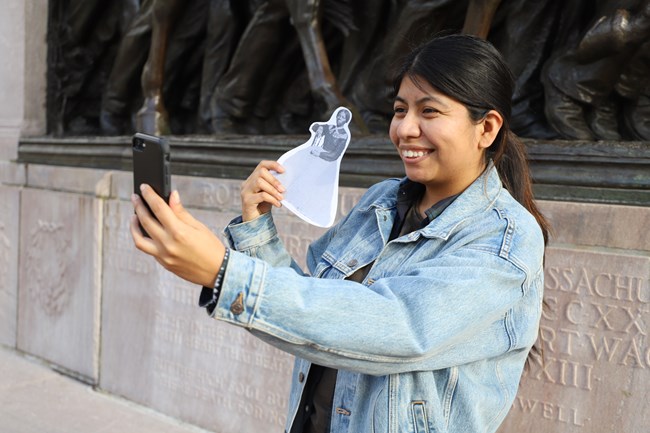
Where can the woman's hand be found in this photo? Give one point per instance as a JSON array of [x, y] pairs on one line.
[[261, 190], [180, 243]]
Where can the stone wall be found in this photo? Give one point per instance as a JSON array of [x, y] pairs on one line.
[[12, 46], [99, 310], [75, 293], [85, 300], [595, 371]]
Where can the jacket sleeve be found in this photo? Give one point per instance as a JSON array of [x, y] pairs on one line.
[[259, 238], [431, 318]]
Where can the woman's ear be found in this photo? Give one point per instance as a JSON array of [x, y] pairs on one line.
[[491, 123]]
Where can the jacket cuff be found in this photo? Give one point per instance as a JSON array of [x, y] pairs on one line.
[[240, 289], [246, 235]]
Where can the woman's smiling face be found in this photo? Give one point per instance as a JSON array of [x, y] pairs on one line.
[[440, 145]]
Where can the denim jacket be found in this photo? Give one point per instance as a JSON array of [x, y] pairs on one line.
[[434, 339]]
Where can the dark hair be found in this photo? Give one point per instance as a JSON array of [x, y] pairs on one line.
[[471, 71]]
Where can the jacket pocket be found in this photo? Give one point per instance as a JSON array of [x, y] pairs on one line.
[[420, 422]]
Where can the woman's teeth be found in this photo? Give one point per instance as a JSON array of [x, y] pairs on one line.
[[414, 154]]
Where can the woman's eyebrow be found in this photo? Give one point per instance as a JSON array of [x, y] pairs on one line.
[[423, 100], [431, 98]]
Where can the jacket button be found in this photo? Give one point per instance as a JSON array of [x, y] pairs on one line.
[[352, 263], [237, 307], [301, 377]]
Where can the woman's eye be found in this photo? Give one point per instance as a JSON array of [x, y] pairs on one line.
[[399, 110], [429, 110]]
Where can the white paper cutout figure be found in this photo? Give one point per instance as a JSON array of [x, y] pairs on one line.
[[311, 176]]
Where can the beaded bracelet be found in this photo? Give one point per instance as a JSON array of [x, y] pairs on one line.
[[210, 295]]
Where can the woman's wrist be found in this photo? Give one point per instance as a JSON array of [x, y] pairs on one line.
[[250, 216], [210, 294], [211, 268]]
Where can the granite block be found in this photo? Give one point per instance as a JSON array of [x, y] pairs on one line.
[[611, 226], [59, 298], [160, 349], [12, 173], [68, 179], [593, 374]]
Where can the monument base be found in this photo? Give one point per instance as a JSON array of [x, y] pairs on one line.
[[74, 290]]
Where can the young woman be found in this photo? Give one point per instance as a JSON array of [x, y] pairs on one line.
[[424, 301]]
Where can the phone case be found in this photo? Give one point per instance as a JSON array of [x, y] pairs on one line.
[[151, 157]]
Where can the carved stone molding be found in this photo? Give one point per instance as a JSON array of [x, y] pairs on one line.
[[598, 172]]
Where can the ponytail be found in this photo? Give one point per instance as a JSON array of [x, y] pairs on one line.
[[511, 161]]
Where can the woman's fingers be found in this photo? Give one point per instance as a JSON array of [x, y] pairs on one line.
[[160, 209], [263, 180], [271, 187], [180, 211], [261, 190], [271, 165], [141, 242], [181, 244], [260, 198], [270, 178], [149, 223]]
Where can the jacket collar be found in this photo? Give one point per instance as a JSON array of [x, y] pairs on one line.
[[478, 197]]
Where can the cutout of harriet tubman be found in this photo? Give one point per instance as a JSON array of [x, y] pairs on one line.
[[311, 176]]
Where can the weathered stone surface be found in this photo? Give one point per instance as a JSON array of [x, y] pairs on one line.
[[35, 69], [9, 224], [12, 46], [160, 349], [34, 399], [594, 376], [222, 195], [79, 180], [599, 225], [222, 198], [12, 173], [9, 135], [59, 279]]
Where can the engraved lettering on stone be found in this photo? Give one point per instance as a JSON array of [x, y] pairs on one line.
[[598, 284], [174, 289], [46, 263], [594, 327], [218, 195], [550, 411], [560, 371], [612, 305], [262, 404]]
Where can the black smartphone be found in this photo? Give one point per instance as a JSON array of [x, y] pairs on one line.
[[151, 157]]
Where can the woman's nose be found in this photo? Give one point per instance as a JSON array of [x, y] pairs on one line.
[[409, 127]]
